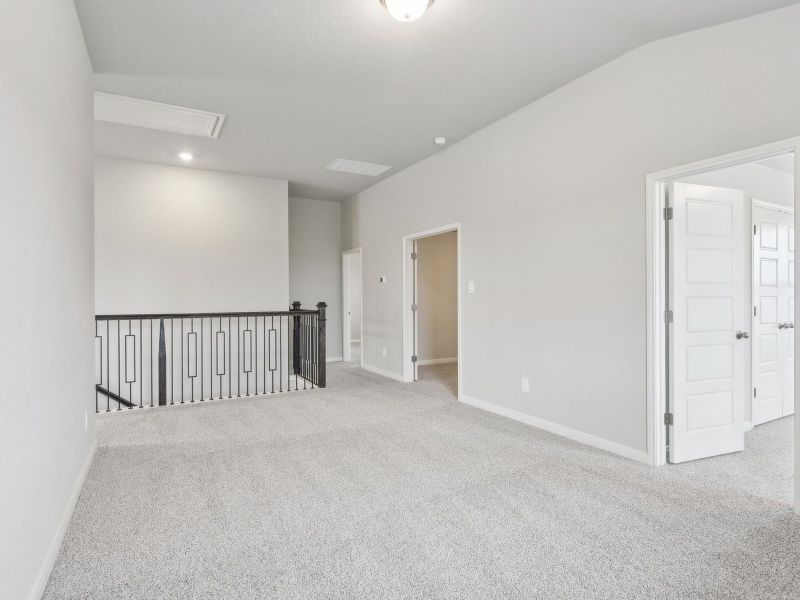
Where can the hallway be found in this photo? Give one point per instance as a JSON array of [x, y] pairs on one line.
[[377, 489]]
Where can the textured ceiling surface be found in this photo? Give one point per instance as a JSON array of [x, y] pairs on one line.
[[304, 82]]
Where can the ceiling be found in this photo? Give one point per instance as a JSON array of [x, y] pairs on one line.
[[304, 82], [784, 164]]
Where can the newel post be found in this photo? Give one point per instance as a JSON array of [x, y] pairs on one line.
[[295, 338], [321, 362]]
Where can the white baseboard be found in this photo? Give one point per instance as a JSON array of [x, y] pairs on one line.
[[383, 372], [437, 361], [334, 359], [567, 432], [355, 341], [55, 546]]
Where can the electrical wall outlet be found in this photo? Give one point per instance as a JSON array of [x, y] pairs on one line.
[[382, 279], [86, 420], [525, 385]]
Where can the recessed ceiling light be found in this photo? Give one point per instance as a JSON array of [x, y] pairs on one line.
[[185, 156], [440, 141], [407, 10]]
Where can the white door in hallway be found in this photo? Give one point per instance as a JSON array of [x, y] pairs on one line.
[[773, 314], [709, 334]]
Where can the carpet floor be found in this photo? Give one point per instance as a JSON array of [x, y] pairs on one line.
[[375, 489]]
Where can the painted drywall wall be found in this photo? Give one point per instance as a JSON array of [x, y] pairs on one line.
[[437, 297], [46, 258], [756, 182], [315, 262], [173, 239], [354, 295], [551, 200]]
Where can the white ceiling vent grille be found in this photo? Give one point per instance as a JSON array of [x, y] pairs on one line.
[[344, 165], [155, 115]]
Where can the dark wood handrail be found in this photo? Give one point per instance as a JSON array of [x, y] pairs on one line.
[[268, 313]]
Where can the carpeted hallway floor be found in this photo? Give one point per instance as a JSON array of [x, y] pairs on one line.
[[375, 489]]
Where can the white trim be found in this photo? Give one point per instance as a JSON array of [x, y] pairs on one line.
[[748, 425], [567, 432], [331, 359], [437, 361], [55, 546], [355, 341], [383, 372], [346, 341], [773, 206], [408, 321], [656, 377]]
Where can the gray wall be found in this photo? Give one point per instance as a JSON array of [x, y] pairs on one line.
[[437, 297], [46, 246], [552, 205], [315, 262], [354, 282], [174, 239]]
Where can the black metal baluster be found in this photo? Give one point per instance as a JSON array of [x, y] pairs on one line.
[[195, 362], [230, 357], [182, 342], [108, 366], [238, 366], [141, 364], [202, 327], [172, 362], [119, 370], [162, 364], [96, 393]]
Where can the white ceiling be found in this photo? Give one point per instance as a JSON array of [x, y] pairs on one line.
[[304, 82]]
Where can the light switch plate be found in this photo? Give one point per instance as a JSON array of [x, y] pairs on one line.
[[525, 385], [471, 287]]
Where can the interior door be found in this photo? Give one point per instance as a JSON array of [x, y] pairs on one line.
[[773, 314], [709, 297], [415, 308]]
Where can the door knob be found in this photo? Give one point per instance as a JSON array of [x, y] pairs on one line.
[[783, 325], [742, 335], [790, 325]]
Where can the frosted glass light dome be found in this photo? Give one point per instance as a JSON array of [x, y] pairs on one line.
[[406, 10]]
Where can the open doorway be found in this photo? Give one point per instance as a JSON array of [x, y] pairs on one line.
[[432, 316], [725, 341], [352, 320]]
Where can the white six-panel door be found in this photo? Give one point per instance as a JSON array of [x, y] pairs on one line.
[[709, 297], [773, 315]]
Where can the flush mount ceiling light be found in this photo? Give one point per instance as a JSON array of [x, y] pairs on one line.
[[185, 156], [407, 10]]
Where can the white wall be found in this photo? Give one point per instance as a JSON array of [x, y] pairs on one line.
[[46, 260], [437, 297], [173, 239], [552, 205], [315, 262], [354, 295], [757, 182]]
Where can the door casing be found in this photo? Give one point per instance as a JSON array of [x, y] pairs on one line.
[[656, 186], [346, 354], [408, 298]]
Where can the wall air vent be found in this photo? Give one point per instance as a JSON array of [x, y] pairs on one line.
[[155, 115], [344, 165]]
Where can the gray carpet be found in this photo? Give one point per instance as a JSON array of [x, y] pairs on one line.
[[375, 489]]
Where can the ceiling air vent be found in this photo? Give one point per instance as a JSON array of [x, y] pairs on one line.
[[359, 168], [155, 115]]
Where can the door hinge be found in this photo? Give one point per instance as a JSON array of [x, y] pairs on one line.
[[755, 392], [755, 311], [668, 420], [413, 256], [755, 228], [668, 213], [414, 359], [668, 316], [413, 308]]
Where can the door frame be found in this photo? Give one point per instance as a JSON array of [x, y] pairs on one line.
[[656, 186], [346, 354], [756, 324], [407, 298]]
